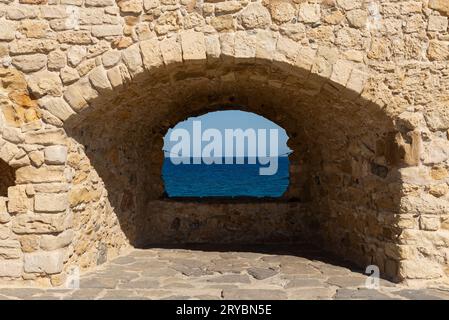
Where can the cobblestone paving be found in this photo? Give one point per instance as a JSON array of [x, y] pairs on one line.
[[213, 274]]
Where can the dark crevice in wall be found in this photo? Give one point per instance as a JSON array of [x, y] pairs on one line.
[[7, 178]]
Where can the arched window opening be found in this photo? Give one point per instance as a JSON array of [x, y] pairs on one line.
[[226, 154]]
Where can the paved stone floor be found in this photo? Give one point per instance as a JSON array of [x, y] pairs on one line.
[[230, 273]]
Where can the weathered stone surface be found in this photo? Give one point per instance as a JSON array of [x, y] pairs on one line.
[[40, 175], [151, 54], [62, 240], [48, 203], [18, 199], [440, 5], [39, 223], [57, 107], [49, 262], [30, 63], [193, 46], [45, 83], [7, 30], [255, 16], [11, 268], [360, 86]]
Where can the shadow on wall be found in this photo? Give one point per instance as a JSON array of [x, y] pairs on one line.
[[7, 178], [345, 189]]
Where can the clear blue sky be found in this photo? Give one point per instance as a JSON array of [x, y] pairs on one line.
[[232, 119]]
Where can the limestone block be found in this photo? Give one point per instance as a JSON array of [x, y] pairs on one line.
[[286, 50], [99, 79], [11, 268], [151, 53], [193, 46], [8, 151], [436, 151], [18, 200], [46, 137], [255, 16], [440, 5], [55, 154], [51, 242], [357, 81], [74, 95], [227, 7], [429, 223], [171, 51], [13, 135], [30, 63], [45, 83], [30, 46], [309, 12], [43, 174], [282, 11], [245, 45], [50, 202], [76, 54], [425, 204], [10, 249], [111, 58], [341, 72], [107, 31], [348, 4], [57, 60], [57, 107], [213, 49], [419, 269], [357, 18], [37, 158], [30, 223], [438, 50], [69, 75], [7, 30], [99, 3], [49, 262], [133, 59], [223, 23], [265, 44], [227, 43], [131, 6], [21, 12], [4, 215]]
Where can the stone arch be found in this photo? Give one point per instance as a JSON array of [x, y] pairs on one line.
[[333, 109], [350, 65]]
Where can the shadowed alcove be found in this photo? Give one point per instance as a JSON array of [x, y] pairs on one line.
[[344, 187]]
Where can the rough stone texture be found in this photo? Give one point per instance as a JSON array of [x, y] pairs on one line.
[[158, 274], [360, 87]]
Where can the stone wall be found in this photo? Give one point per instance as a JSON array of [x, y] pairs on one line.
[[89, 88]]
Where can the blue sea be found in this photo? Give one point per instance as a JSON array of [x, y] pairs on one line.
[[224, 180]]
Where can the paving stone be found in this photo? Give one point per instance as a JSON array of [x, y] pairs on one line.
[[124, 260], [347, 281], [312, 293], [360, 294], [231, 278], [99, 282], [305, 283], [417, 295], [253, 294], [159, 274], [143, 283], [261, 273], [299, 269], [84, 294]]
